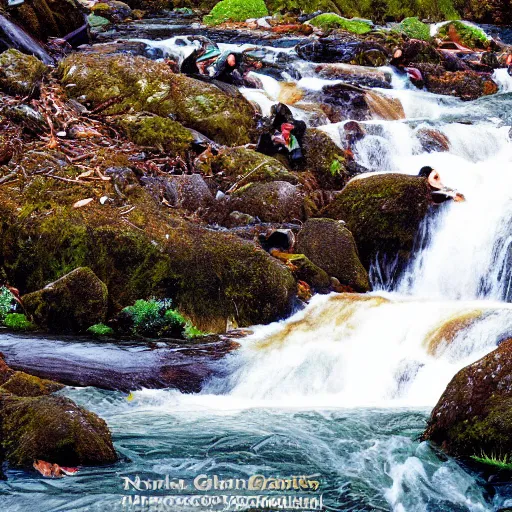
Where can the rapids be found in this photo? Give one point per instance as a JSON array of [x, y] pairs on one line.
[[342, 389]]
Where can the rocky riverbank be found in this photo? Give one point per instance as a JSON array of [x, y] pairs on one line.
[[134, 202]]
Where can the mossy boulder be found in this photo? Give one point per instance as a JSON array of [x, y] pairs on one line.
[[324, 159], [25, 385], [236, 10], [277, 201], [71, 304], [112, 10], [52, 428], [464, 34], [49, 18], [157, 132], [129, 84], [210, 276], [383, 212], [242, 166], [331, 20], [20, 73], [305, 270], [474, 415], [331, 246]]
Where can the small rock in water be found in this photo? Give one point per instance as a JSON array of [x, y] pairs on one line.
[[263, 23]]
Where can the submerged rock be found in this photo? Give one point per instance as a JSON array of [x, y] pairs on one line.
[[73, 303], [331, 246], [127, 84], [383, 212], [474, 415], [20, 73]]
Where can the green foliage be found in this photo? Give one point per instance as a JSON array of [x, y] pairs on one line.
[[157, 318], [236, 10], [330, 20], [467, 35], [494, 460], [335, 168], [7, 302], [100, 330], [18, 322], [415, 29]]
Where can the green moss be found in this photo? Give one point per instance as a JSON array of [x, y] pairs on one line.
[[467, 35], [236, 10], [415, 29], [157, 132], [499, 462], [23, 384], [327, 21], [100, 330], [18, 322], [20, 73], [96, 21]]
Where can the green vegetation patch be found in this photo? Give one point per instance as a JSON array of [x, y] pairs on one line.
[[415, 29], [495, 461], [18, 322], [100, 330], [236, 10], [467, 35], [331, 20], [7, 303]]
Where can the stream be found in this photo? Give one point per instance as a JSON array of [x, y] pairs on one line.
[[341, 390]]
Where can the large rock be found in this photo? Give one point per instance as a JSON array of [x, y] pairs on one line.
[[54, 429], [330, 245], [277, 201], [72, 303], [127, 84], [474, 414], [20, 73], [383, 212]]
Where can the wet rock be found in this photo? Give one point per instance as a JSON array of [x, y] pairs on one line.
[[112, 10], [331, 246], [383, 212], [324, 159], [384, 107], [415, 52], [342, 101], [349, 50], [277, 201], [242, 166], [467, 85], [20, 73], [157, 132], [474, 414], [355, 75], [490, 59], [432, 140], [305, 270], [31, 120], [71, 304], [131, 84], [237, 219], [192, 192], [52, 428]]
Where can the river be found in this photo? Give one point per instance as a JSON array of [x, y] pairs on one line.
[[342, 390]]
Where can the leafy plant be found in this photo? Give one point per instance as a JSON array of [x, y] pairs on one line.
[[236, 10], [415, 29], [18, 322], [7, 302], [335, 167], [325, 21], [100, 330], [157, 318], [495, 461]]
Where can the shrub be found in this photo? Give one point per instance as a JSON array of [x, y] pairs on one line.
[[7, 302], [157, 318], [100, 330], [18, 322], [236, 10], [326, 21]]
